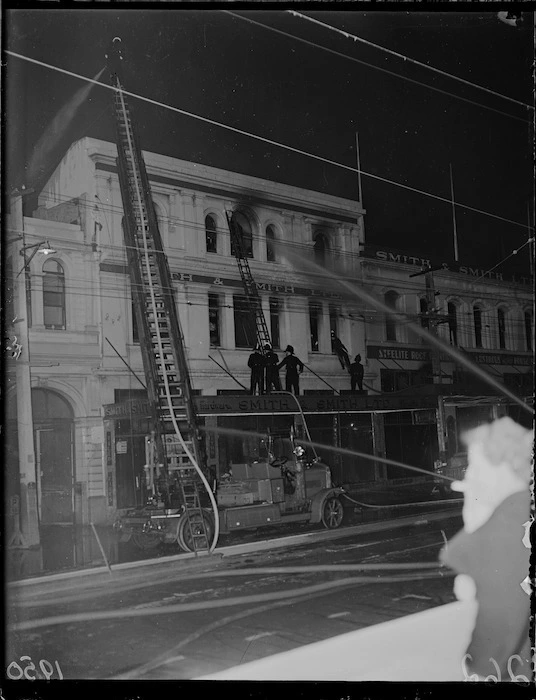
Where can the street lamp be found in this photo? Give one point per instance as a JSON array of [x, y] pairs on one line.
[[43, 247]]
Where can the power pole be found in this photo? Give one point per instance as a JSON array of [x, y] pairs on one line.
[[25, 512], [433, 320]]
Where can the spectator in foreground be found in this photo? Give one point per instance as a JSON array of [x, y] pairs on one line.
[[491, 554]]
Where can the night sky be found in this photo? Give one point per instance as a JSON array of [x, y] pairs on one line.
[[229, 70]]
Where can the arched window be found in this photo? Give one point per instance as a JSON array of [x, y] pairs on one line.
[[391, 299], [210, 234], [244, 229], [425, 319], [320, 248], [527, 318], [452, 315], [477, 324], [501, 328], [53, 295], [270, 245]]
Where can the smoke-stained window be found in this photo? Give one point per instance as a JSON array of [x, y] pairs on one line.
[[245, 231]]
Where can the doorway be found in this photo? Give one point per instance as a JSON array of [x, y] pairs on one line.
[[54, 454]]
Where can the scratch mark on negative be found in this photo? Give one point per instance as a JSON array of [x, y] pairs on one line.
[[254, 637]]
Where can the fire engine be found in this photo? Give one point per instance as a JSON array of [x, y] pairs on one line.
[[282, 482]]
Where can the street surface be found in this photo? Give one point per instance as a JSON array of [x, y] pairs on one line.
[[273, 611]]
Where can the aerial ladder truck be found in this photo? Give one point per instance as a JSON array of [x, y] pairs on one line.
[[176, 462], [264, 491]]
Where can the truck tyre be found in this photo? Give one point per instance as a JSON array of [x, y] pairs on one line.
[[184, 535], [146, 540], [332, 513]]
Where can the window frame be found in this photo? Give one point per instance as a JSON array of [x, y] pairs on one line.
[[275, 321], [244, 314], [246, 236], [502, 335], [391, 299], [452, 325], [60, 276], [211, 233], [477, 327], [315, 315], [528, 324], [214, 307], [270, 243]]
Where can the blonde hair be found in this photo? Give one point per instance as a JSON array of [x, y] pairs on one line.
[[505, 442]]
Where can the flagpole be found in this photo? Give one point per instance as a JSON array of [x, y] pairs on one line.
[[359, 188], [454, 232], [531, 242]]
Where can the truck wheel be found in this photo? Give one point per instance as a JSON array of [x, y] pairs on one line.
[[332, 513], [184, 536], [146, 540]]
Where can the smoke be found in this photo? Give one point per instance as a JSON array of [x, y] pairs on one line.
[[336, 280], [55, 132]]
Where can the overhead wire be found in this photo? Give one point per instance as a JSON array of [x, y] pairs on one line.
[[371, 65], [271, 142], [408, 59]]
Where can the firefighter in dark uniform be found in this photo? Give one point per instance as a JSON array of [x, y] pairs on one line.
[[356, 373], [272, 373], [294, 368], [257, 363]]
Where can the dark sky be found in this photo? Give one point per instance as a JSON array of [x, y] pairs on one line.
[[210, 63]]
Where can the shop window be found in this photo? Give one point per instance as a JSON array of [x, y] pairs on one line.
[[501, 327], [391, 299], [53, 295], [314, 325], [270, 243], [452, 316], [244, 323], [214, 319], [477, 325], [275, 308], [245, 231], [210, 234], [527, 318], [519, 383]]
